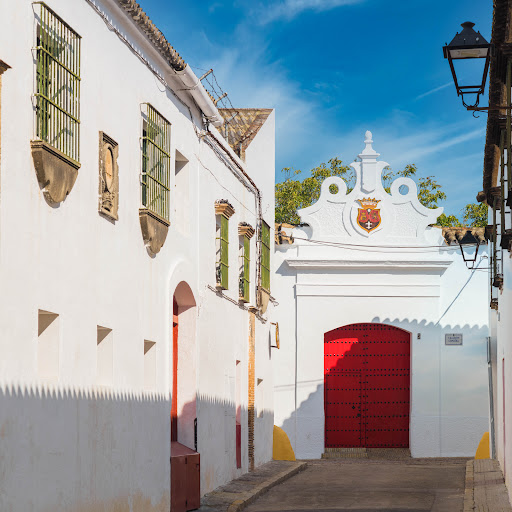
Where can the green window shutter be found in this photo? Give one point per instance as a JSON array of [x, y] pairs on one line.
[[265, 256], [57, 95], [224, 251], [156, 162], [247, 265]]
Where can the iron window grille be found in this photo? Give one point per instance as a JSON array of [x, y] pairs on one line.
[[156, 162], [57, 88], [222, 242], [265, 256], [245, 264]]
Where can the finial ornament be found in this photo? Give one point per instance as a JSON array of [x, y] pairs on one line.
[[368, 151]]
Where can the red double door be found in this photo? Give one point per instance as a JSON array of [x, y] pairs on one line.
[[366, 388]]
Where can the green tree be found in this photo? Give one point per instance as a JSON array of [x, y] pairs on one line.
[[293, 194], [475, 215], [447, 221], [429, 191]]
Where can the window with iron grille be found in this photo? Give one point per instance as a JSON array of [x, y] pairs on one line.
[[156, 162], [245, 260], [222, 246], [57, 96], [265, 256]]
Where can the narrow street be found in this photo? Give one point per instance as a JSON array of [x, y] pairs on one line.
[[357, 485]]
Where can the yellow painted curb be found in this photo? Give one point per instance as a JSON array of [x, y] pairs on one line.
[[282, 447], [483, 451]]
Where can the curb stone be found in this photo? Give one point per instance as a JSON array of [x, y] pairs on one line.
[[469, 500], [245, 498], [251, 496], [485, 489]]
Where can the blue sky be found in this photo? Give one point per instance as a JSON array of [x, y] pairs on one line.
[[334, 68]]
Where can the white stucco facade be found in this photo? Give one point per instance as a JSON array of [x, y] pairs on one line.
[[500, 351], [500, 335], [68, 439], [400, 273]]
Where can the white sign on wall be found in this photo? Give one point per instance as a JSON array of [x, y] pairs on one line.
[[453, 339]]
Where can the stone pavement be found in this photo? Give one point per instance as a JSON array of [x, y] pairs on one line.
[[379, 483], [370, 485], [485, 487], [239, 493]]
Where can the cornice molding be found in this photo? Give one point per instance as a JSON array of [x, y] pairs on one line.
[[419, 265], [222, 207]]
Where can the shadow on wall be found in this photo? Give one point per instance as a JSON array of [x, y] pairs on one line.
[[217, 439], [107, 450], [69, 449], [449, 392]]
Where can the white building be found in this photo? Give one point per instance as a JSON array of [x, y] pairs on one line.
[[496, 194], [383, 328], [126, 227]]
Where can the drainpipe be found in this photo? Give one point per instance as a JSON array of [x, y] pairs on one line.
[[197, 91], [259, 214], [491, 396]]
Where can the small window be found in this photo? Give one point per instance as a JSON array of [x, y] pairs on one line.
[[260, 398], [48, 341], [265, 256], [223, 211], [104, 356], [156, 162], [244, 246], [57, 95], [222, 251], [149, 365], [182, 193]]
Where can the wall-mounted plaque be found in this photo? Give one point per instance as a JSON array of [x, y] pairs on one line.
[[453, 339], [109, 177]]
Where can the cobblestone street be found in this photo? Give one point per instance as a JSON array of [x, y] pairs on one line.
[[435, 485]]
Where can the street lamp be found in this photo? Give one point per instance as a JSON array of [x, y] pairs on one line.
[[469, 45]]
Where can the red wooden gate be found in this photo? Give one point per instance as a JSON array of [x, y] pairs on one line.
[[367, 381]]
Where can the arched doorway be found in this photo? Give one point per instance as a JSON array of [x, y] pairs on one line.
[[367, 386], [185, 461], [184, 357]]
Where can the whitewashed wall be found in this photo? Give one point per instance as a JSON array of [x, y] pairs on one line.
[[501, 329], [424, 290], [79, 446]]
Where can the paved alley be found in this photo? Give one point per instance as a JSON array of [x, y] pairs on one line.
[[357, 485]]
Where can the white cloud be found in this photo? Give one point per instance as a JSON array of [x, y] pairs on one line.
[[438, 144], [252, 80], [432, 91], [306, 134], [289, 9]]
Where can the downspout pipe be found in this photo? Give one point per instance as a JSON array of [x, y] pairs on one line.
[[259, 212], [491, 396], [197, 91]]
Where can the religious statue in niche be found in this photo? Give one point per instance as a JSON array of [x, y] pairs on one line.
[[368, 216], [108, 177]]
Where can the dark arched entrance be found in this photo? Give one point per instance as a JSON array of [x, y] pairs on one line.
[[367, 382]]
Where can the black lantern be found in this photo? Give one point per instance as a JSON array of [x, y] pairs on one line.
[[469, 260], [469, 45]]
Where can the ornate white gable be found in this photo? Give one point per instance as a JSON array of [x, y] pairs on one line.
[[368, 214]]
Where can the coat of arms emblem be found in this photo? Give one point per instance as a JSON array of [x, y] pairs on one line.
[[368, 216]]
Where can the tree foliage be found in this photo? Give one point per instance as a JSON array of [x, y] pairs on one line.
[[293, 194], [475, 215]]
